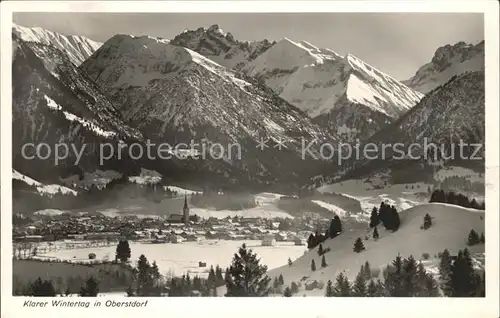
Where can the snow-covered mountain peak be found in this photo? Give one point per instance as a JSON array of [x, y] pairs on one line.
[[315, 79], [78, 48], [148, 59], [448, 61], [220, 46]]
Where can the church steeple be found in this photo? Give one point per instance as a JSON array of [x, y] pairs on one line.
[[185, 211]]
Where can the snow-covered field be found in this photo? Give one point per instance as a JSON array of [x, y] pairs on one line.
[[184, 257], [400, 195]]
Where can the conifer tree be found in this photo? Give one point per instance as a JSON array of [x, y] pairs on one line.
[[371, 290], [427, 221], [130, 291], [247, 277], [421, 277], [409, 283], [394, 278], [219, 279], [211, 277], [311, 241], [294, 287], [375, 233], [287, 292], [445, 273], [358, 245], [123, 252], [431, 286], [323, 262], [359, 285], [473, 238], [313, 265], [281, 280], [320, 249], [367, 271], [145, 284], [41, 288], [374, 219], [329, 289], [481, 239], [342, 286], [463, 280], [335, 227], [276, 283], [90, 289]]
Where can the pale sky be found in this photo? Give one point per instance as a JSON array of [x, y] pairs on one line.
[[396, 43]]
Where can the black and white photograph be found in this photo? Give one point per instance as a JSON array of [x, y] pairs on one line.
[[248, 154]]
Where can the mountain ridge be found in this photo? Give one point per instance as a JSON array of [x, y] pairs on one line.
[[78, 48], [448, 61]]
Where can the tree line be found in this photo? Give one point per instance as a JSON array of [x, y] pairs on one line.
[[456, 199]]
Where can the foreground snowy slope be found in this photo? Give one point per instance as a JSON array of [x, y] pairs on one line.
[[174, 94], [450, 228], [448, 61], [78, 48]]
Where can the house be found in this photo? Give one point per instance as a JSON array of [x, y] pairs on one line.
[[249, 220], [211, 234], [159, 238], [30, 238], [102, 236], [298, 241], [175, 218], [190, 237], [268, 240], [281, 237], [174, 238]]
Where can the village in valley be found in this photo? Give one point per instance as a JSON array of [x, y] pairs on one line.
[[40, 231]]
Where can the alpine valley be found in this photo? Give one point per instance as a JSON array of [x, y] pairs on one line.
[[208, 86], [283, 113]]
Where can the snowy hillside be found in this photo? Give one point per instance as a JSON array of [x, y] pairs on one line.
[[43, 189], [78, 48], [448, 61], [174, 94], [450, 113], [221, 47], [343, 93], [449, 230]]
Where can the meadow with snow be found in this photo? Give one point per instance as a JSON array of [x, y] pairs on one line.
[[183, 258]]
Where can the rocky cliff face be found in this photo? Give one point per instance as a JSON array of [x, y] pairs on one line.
[[448, 61], [221, 47]]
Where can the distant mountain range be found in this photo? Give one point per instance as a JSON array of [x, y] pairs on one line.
[[206, 85]]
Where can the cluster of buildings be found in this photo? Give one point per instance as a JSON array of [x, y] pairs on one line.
[[174, 228]]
